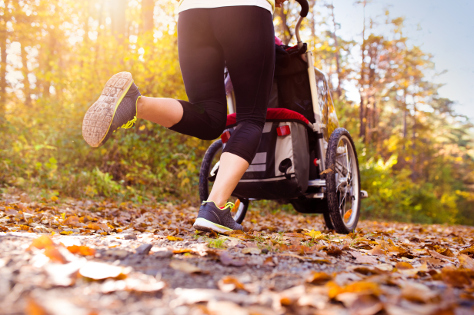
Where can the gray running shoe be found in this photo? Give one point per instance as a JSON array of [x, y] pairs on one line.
[[211, 218], [116, 108]]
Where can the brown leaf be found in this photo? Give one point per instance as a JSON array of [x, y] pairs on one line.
[[72, 221], [457, 277], [318, 278], [228, 284], [377, 251], [403, 265], [334, 251], [251, 250], [432, 261], [305, 258], [98, 226], [417, 292], [439, 256], [365, 304], [269, 261], [466, 262], [363, 259], [468, 251], [326, 171]]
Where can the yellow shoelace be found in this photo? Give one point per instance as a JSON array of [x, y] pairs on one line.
[[130, 123], [227, 205]]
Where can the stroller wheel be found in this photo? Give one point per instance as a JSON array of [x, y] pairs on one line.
[[343, 182], [207, 176]]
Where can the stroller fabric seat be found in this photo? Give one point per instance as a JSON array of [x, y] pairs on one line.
[[275, 114]]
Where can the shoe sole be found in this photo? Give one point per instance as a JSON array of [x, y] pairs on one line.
[[208, 226], [99, 116]]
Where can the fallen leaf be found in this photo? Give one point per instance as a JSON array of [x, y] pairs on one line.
[[72, 221], [377, 251], [315, 234], [466, 262], [174, 238], [98, 226], [228, 284], [360, 287], [347, 215], [184, 266], [41, 242], [403, 265], [334, 251], [432, 261], [318, 278], [306, 258], [81, 250], [326, 171], [99, 271], [34, 308], [269, 262], [439, 256], [457, 277], [363, 259], [54, 254], [251, 250], [417, 292]]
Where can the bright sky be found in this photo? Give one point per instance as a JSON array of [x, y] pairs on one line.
[[442, 28]]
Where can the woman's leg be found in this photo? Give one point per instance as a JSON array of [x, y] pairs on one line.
[[164, 111], [247, 37]]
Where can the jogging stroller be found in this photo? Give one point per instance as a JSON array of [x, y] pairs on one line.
[[304, 157]]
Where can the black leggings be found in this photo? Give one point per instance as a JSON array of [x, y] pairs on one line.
[[241, 38]]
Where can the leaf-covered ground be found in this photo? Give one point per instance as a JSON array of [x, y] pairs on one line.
[[85, 257]]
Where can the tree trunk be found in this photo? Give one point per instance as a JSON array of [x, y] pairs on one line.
[[414, 175], [286, 29], [363, 98], [147, 23], [119, 19], [25, 72], [336, 45], [3, 50]]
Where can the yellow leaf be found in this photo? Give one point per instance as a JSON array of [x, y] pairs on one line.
[[174, 238], [41, 242], [314, 234]]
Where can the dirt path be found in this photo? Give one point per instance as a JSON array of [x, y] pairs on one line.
[[83, 257]]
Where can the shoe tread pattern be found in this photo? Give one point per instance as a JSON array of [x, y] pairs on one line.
[[98, 117]]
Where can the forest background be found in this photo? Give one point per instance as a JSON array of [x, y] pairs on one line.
[[415, 153]]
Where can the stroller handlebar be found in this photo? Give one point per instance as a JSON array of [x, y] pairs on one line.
[[304, 7], [304, 12]]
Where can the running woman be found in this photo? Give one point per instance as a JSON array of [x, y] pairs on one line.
[[212, 34]]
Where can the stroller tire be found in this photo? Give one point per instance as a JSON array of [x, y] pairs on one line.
[[208, 163], [342, 182]]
